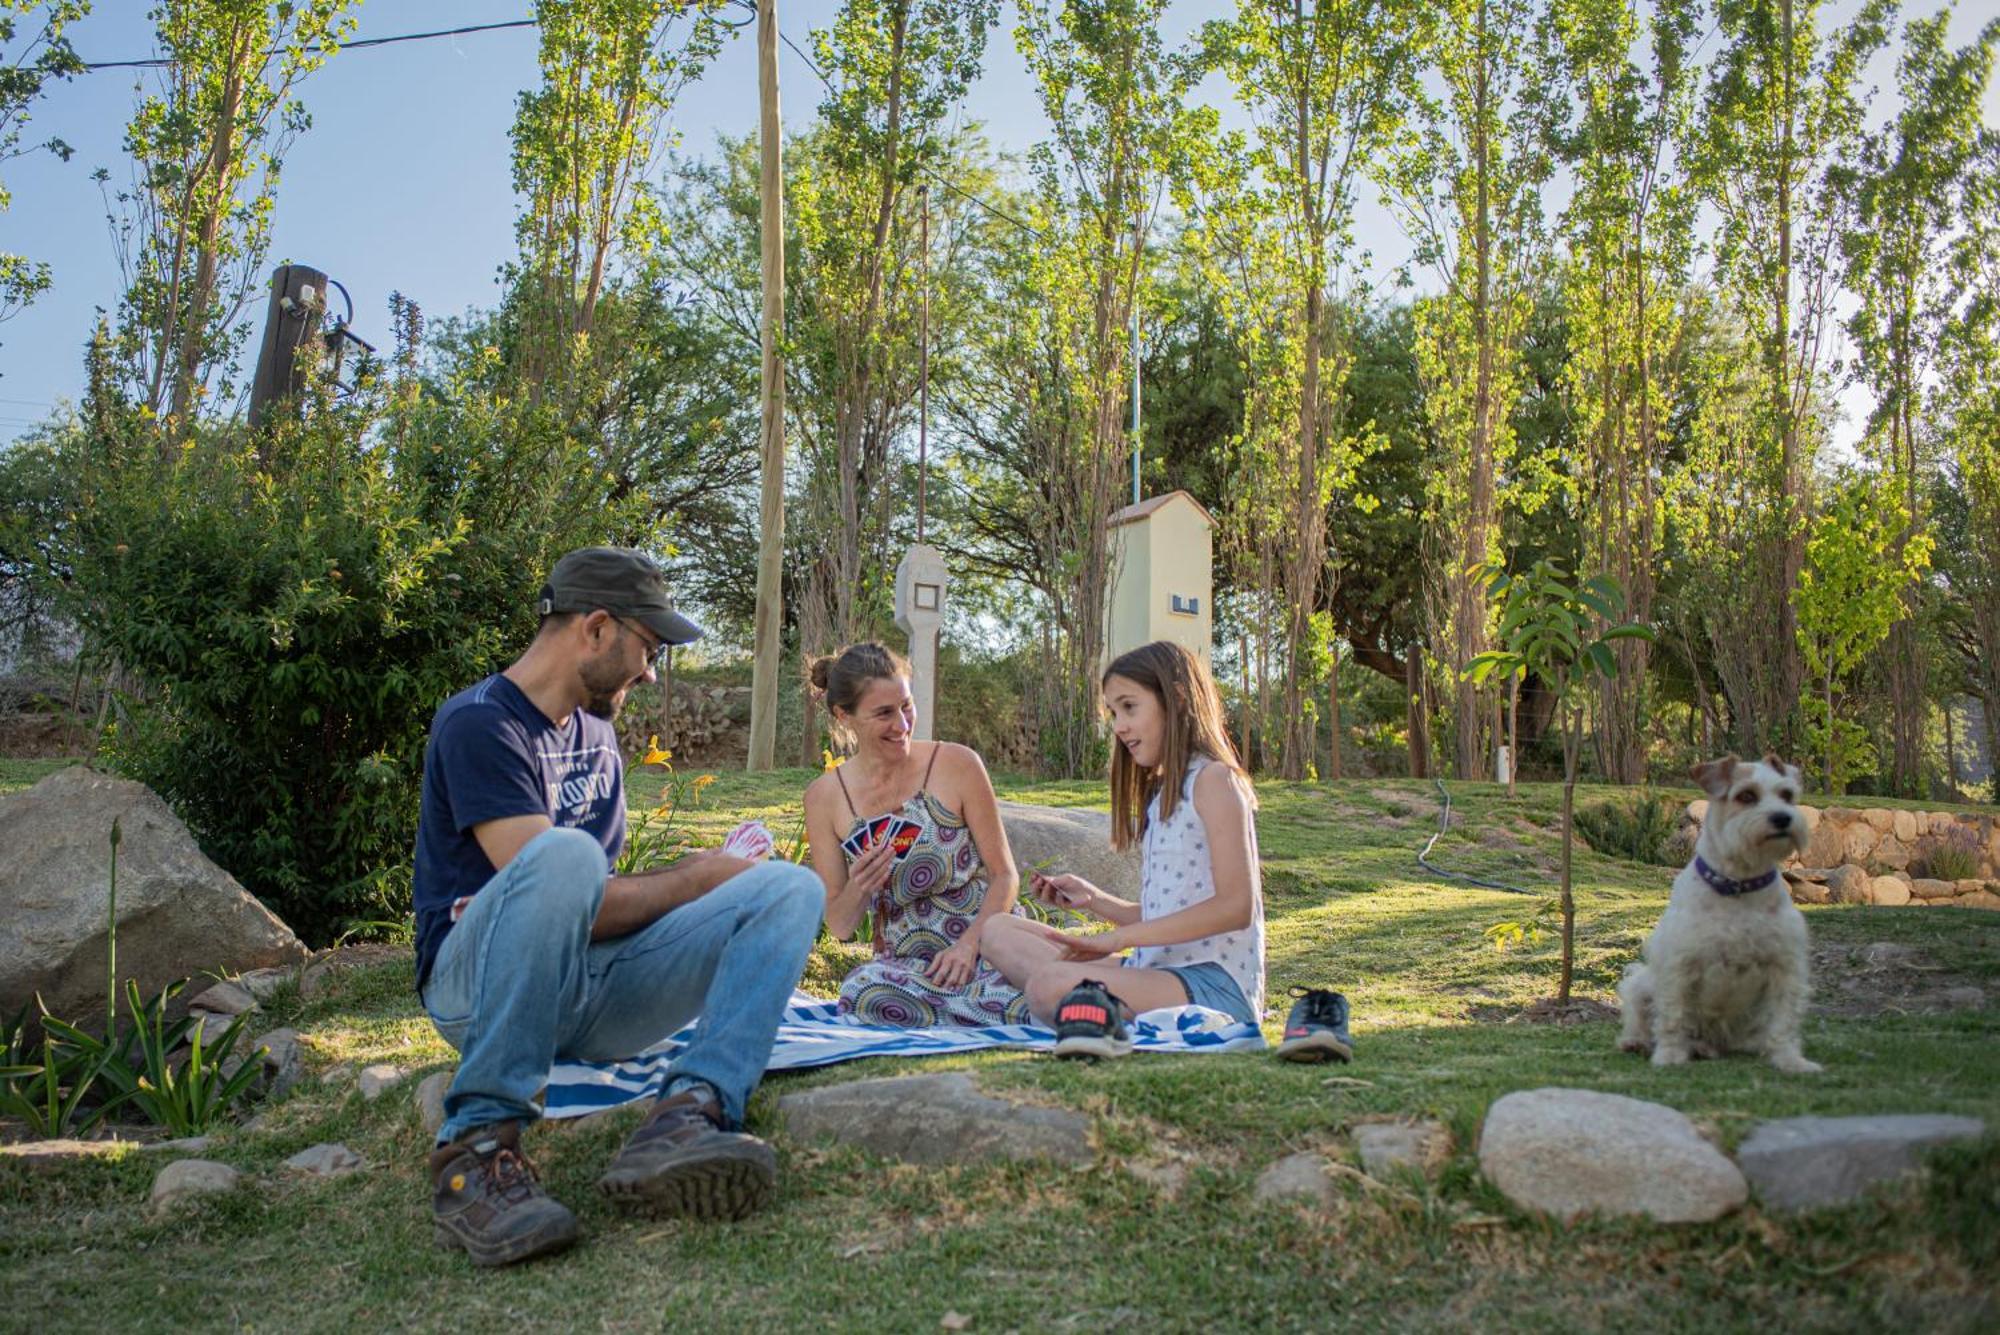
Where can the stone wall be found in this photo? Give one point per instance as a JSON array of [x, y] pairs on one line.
[[1870, 855]]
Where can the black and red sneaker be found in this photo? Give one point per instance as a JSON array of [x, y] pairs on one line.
[[1091, 1023], [1316, 1030]]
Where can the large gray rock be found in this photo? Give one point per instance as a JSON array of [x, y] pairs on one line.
[[185, 1179], [1802, 1163], [1073, 840], [430, 1100], [329, 1160], [1570, 1152], [935, 1119], [178, 913]]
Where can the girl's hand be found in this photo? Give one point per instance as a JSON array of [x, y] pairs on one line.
[[868, 873], [955, 967], [1064, 891], [1097, 946]]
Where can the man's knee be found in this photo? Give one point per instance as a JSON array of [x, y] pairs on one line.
[[562, 872], [789, 891]]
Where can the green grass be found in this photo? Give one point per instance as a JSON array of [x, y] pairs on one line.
[[857, 1244]]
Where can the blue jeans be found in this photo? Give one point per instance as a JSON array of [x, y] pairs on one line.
[[518, 982]]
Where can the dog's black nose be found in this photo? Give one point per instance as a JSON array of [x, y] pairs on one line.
[[1781, 820]]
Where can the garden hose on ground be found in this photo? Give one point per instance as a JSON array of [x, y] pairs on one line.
[[1444, 823]]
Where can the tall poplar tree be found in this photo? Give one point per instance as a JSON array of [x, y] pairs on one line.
[[1466, 183], [1781, 104]]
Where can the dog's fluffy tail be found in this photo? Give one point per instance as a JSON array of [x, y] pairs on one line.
[[1635, 996]]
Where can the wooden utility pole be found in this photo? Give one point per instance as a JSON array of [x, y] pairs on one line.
[[771, 511]]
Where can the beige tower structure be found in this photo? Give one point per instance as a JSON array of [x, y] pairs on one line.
[[1164, 584]]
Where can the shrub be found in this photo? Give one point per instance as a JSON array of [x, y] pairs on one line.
[[1639, 830], [296, 606], [1951, 856]]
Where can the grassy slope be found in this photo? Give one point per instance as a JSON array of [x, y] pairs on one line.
[[855, 1244]]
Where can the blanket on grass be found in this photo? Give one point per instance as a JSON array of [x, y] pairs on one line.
[[813, 1034]]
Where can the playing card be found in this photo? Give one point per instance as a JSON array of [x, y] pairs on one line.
[[903, 836], [750, 840]]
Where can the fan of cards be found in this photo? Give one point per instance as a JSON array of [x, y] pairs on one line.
[[749, 840], [900, 831]]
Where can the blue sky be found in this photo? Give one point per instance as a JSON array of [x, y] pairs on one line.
[[403, 182]]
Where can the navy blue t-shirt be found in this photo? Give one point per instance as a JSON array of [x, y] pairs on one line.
[[493, 754]]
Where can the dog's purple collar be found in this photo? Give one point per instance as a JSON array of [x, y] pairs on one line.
[[1722, 885]]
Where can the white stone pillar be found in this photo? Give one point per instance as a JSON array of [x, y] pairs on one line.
[[920, 585]]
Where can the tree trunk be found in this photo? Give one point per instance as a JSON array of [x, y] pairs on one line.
[[1333, 712], [769, 629], [1572, 744], [1419, 727]]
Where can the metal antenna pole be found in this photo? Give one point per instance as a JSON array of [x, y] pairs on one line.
[[924, 363]]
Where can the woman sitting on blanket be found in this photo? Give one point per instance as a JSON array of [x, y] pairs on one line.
[[910, 830]]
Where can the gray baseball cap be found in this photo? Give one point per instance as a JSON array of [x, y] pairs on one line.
[[620, 580]]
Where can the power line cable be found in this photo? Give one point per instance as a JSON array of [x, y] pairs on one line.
[[1000, 213], [356, 45]]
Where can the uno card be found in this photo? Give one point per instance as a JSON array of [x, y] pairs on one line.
[[903, 836], [751, 840]]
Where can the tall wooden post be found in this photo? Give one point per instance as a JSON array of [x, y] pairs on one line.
[[771, 511]]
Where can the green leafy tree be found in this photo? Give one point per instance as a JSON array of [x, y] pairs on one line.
[[1115, 104], [1561, 631], [1861, 559], [897, 71], [194, 227], [1781, 103], [584, 141], [1466, 182], [1628, 228], [1905, 200], [1326, 85]]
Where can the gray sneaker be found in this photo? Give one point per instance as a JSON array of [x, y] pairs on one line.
[[685, 1160], [487, 1201]]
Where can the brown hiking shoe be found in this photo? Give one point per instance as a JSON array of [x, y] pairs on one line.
[[487, 1201], [684, 1161]]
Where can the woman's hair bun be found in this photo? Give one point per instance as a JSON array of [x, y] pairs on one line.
[[819, 673]]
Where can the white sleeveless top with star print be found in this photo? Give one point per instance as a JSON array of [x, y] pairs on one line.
[[1175, 873]]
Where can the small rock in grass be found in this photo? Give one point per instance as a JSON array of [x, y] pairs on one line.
[[1802, 1163], [284, 1061], [1388, 1146], [224, 998], [1571, 1152], [263, 984], [935, 1119], [326, 1161], [430, 1100], [379, 1079], [186, 1179], [1296, 1177], [185, 1145]]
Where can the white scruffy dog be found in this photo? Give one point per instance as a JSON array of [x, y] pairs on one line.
[[1725, 971]]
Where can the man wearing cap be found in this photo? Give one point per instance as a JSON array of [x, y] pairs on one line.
[[529, 949]]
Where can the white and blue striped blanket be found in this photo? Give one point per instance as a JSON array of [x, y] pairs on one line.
[[813, 1034]]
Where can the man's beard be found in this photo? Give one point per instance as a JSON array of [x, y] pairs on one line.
[[602, 684]]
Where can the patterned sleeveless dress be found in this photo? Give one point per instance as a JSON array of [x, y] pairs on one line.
[[932, 899]]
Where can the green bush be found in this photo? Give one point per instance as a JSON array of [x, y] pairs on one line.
[[296, 607], [1637, 830]]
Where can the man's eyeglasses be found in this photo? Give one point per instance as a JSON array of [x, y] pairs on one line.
[[656, 652]]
